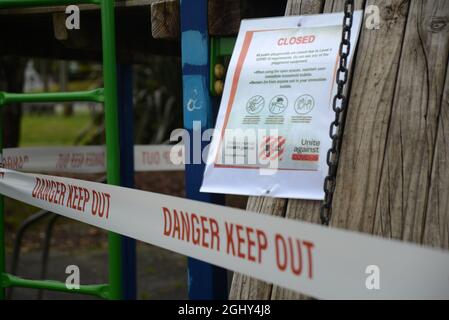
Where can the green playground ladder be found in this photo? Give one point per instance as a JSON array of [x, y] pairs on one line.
[[108, 96]]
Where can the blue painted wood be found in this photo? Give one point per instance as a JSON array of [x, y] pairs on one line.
[[205, 280], [126, 136]]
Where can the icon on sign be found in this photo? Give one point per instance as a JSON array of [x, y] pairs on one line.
[[255, 104], [304, 104], [278, 104], [272, 148]]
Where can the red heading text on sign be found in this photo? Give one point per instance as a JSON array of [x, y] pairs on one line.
[[296, 40]]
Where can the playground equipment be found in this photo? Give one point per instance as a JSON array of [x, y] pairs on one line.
[[205, 286], [221, 47], [392, 160], [108, 96], [25, 226]]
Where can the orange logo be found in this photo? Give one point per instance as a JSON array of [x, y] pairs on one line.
[[272, 148]]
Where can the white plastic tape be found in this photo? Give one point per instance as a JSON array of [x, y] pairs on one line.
[[85, 159], [157, 158], [317, 261]]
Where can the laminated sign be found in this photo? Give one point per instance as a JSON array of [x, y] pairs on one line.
[[272, 131]]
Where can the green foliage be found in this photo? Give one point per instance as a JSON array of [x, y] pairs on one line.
[[157, 99]]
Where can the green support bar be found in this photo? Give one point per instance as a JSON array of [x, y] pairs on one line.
[[112, 136], [92, 95], [109, 97], [98, 290]]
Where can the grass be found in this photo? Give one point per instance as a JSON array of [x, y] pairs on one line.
[[51, 130]]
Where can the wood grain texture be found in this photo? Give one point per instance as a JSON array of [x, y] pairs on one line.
[[165, 22], [59, 29], [368, 118], [303, 7], [245, 287], [406, 177], [224, 17], [437, 217], [339, 5]]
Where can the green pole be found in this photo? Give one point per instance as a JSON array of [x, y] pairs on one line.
[[112, 136], [2, 218], [91, 95], [98, 290]]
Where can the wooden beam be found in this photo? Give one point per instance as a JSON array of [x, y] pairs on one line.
[[224, 17], [45, 35], [60, 31], [82, 7], [165, 22]]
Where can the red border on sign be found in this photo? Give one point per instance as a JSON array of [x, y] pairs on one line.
[[238, 70]]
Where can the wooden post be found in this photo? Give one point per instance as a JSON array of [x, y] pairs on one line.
[[436, 231], [367, 121], [391, 158], [59, 29], [165, 19], [393, 178], [407, 171]]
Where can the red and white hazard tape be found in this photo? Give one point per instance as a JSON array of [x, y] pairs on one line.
[[320, 262], [85, 159]]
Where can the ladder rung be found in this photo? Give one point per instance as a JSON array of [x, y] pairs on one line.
[[98, 290], [96, 95], [39, 3]]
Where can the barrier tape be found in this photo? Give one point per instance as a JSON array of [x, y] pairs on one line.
[[85, 159], [314, 260]]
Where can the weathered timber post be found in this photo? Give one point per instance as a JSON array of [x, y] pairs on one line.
[[393, 178]]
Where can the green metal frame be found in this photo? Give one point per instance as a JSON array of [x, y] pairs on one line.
[[219, 47], [108, 96]]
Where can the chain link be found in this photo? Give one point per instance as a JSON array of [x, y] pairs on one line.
[[339, 106]]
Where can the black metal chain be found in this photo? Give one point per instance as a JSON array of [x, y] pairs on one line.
[[339, 107]]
